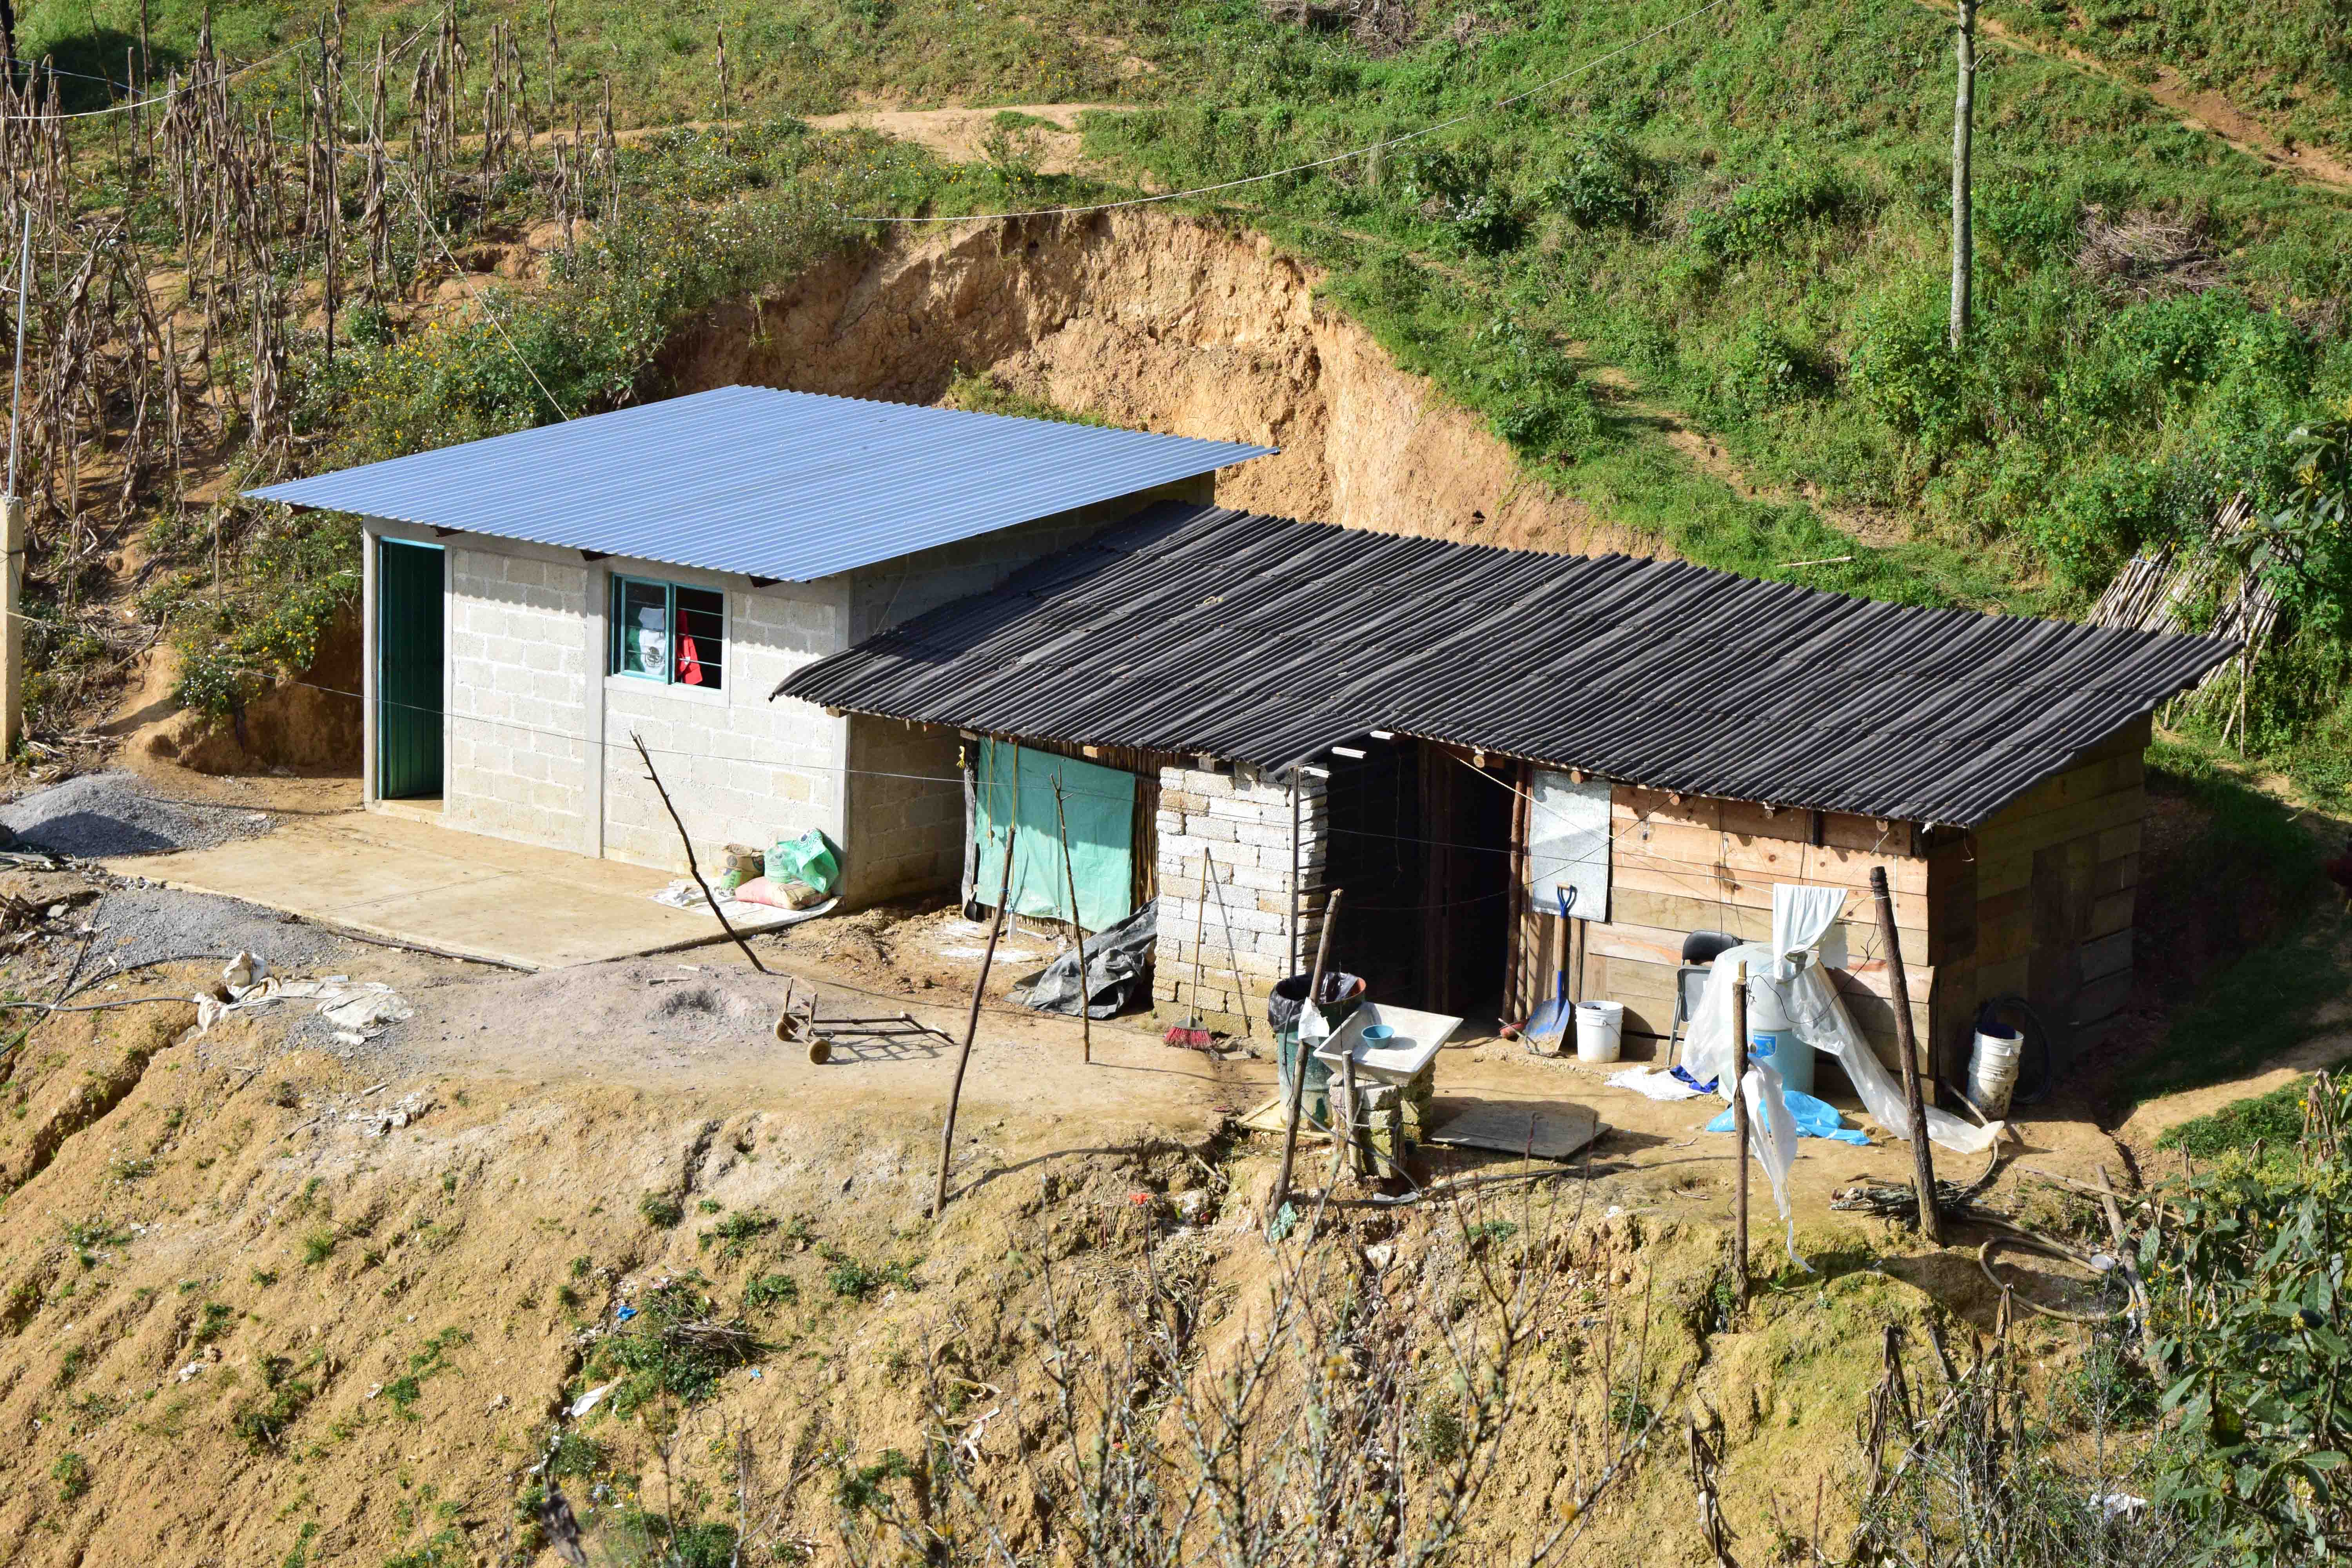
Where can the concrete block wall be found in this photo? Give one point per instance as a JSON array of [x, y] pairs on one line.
[[518, 763], [1225, 860], [905, 810], [740, 767]]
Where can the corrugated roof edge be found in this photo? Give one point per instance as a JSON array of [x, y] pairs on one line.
[[2216, 651], [307, 493]]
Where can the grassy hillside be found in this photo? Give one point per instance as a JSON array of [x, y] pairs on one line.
[[1737, 228]]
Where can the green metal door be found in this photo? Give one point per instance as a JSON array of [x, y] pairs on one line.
[[408, 672]]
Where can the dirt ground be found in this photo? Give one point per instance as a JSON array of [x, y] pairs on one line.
[[341, 1289]]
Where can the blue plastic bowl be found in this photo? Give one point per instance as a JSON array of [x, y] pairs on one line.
[[1379, 1034]]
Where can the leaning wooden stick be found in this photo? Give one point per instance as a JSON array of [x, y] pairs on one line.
[[1923, 1159], [654, 778], [972, 1023], [1070, 874], [1233, 952], [1739, 1070], [1298, 1060]]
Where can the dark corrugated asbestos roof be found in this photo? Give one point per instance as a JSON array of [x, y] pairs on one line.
[[788, 485], [1193, 629]]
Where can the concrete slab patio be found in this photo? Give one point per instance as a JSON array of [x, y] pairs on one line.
[[414, 880]]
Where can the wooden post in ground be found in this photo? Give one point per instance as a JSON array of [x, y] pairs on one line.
[[1299, 1062], [978, 988], [1739, 1070], [1070, 876], [1923, 1159]]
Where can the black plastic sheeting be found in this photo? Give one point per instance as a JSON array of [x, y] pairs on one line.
[[1197, 629], [1118, 965]]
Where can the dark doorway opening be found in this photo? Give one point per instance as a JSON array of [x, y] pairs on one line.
[[1421, 840]]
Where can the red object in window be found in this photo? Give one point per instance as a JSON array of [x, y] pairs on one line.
[[689, 664]]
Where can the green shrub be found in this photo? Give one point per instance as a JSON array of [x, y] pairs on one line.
[[735, 1233], [1763, 369], [661, 1210], [320, 1243], [1606, 185], [225, 666], [71, 1473], [1903, 365], [262, 1422], [1761, 213], [769, 1290], [214, 1320]]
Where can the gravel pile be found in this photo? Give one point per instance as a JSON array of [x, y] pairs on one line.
[[100, 814], [143, 924]]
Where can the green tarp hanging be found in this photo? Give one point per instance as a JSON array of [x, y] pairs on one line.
[[1098, 804]]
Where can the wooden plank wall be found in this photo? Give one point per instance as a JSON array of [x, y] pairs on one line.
[[2049, 896], [1704, 864]]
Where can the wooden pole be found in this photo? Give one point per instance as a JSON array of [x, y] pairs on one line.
[[1298, 1065], [1964, 49], [654, 778], [1923, 1159], [1070, 876], [1739, 1128], [978, 987], [12, 635]]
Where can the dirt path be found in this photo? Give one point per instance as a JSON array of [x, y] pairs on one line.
[[2153, 1118], [2198, 109], [958, 134]]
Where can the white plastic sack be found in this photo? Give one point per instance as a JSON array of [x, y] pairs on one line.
[[1818, 1016]]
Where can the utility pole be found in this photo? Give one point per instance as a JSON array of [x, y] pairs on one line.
[[1964, 49], [12, 524]]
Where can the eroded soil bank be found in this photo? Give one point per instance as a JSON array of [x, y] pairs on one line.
[[1161, 321]]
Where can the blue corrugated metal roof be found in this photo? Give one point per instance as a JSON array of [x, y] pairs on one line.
[[789, 485]]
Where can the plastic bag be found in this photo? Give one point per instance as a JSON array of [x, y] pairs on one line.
[[1813, 1118], [1117, 962], [808, 858], [1819, 1017]]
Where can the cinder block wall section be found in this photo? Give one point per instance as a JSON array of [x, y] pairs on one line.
[[906, 811], [740, 767], [519, 764], [2046, 900], [1225, 859]]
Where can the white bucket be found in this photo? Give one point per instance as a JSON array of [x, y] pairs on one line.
[[1600, 1031], [1993, 1070]]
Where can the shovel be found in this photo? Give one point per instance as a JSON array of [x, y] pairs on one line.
[[1545, 1030]]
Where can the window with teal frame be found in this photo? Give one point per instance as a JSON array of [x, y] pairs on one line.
[[669, 633]]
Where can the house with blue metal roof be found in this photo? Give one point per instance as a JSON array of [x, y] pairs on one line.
[[534, 601]]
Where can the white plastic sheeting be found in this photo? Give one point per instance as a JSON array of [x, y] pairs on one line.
[[1801, 917], [1773, 1134]]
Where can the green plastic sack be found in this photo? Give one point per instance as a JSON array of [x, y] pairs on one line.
[[808, 858]]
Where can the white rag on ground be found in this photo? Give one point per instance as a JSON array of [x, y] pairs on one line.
[[1653, 1083], [357, 1010]]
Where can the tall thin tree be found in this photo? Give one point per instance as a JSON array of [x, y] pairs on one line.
[[1964, 106]]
